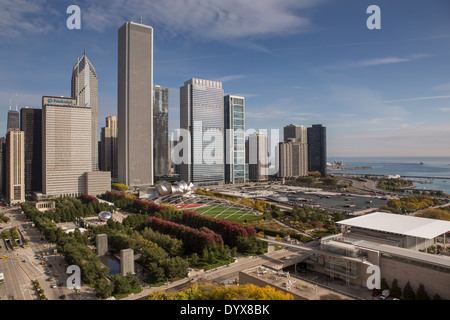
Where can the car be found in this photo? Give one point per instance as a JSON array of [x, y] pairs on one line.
[[60, 284], [62, 296], [53, 286], [385, 294], [50, 265], [4, 257], [55, 274]]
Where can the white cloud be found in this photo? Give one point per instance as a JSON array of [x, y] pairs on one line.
[[443, 87], [418, 99], [18, 17], [231, 77], [205, 19], [387, 60]]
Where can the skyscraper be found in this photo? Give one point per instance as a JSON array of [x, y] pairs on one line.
[[108, 149], [15, 166], [84, 88], [66, 150], [13, 120], [161, 155], [293, 159], [295, 133], [234, 108], [2, 166], [258, 157], [202, 115], [31, 125], [135, 104], [317, 149]]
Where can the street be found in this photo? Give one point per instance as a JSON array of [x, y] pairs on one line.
[[23, 265]]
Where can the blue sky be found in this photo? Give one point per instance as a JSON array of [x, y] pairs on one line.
[[379, 92]]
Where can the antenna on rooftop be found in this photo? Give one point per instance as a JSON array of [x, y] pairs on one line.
[[16, 101], [141, 19], [9, 103]]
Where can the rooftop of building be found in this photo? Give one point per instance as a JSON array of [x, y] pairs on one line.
[[400, 224]]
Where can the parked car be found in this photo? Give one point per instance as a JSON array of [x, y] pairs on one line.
[[385, 294], [62, 296], [53, 286]]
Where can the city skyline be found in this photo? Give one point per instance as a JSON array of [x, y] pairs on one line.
[[378, 92]]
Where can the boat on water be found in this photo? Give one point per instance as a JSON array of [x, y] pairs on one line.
[[421, 162]]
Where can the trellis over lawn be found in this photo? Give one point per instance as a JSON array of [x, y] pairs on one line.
[[214, 207]]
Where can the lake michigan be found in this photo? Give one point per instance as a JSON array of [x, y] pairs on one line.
[[410, 168]]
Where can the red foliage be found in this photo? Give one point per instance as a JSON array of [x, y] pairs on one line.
[[85, 198], [229, 231], [195, 240]]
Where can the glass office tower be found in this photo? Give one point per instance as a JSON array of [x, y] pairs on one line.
[[234, 107], [202, 115]]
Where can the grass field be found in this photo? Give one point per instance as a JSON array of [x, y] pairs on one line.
[[229, 214]]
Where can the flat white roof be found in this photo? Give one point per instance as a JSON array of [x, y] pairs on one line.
[[400, 224]]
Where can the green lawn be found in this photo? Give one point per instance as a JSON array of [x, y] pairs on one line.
[[229, 214]]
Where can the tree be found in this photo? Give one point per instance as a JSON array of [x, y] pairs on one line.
[[408, 292], [421, 294], [104, 288], [384, 284], [194, 259], [121, 284], [211, 291], [437, 297], [396, 291]]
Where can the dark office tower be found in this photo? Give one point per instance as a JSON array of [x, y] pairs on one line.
[[31, 125], [135, 104], [317, 149], [161, 155], [84, 88], [13, 120], [108, 147], [295, 133], [3, 165]]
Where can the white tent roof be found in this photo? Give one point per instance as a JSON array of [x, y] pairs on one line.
[[400, 224]]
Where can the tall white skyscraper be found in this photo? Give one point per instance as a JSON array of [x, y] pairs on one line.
[[66, 150], [202, 114], [85, 91], [135, 104]]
